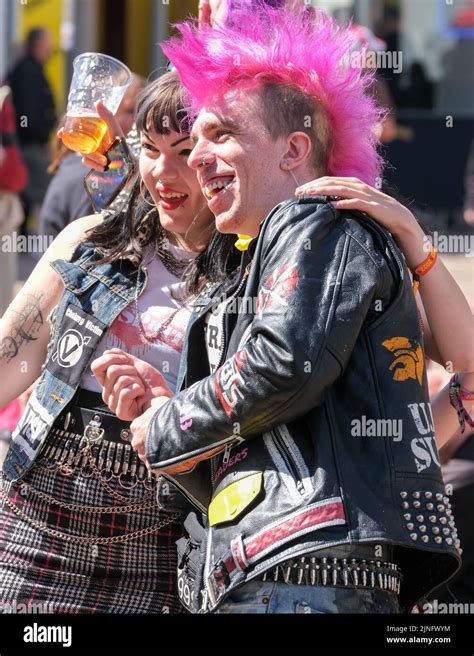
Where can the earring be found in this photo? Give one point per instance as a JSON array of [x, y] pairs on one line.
[[143, 197], [294, 178]]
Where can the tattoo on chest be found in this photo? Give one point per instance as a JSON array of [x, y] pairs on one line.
[[25, 328]]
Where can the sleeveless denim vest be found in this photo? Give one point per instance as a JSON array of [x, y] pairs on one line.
[[93, 297]]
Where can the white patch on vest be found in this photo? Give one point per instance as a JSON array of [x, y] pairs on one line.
[[423, 448], [34, 423], [70, 348]]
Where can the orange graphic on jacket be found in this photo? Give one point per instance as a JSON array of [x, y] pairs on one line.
[[409, 360]]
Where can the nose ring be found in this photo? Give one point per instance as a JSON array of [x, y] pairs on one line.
[[203, 162]]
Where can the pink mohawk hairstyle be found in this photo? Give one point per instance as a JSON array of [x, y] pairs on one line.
[[306, 50]]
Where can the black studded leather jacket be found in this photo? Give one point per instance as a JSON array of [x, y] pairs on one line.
[[319, 408]]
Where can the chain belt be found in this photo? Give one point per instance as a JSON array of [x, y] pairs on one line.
[[101, 449], [348, 572], [93, 440], [71, 451], [88, 414], [77, 539]]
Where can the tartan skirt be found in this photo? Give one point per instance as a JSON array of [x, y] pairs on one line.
[[73, 539]]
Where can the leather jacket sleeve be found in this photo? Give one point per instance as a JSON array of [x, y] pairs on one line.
[[316, 278]]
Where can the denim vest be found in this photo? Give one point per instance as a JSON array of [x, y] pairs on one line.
[[93, 297]]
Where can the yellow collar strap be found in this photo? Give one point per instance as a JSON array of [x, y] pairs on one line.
[[243, 242]]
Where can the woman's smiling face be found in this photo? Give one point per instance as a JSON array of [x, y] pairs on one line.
[[174, 187]]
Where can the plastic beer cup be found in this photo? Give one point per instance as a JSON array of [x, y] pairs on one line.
[[96, 77]]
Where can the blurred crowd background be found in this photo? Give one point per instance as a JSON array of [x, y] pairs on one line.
[[425, 77]]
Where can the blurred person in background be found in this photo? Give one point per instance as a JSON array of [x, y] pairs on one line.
[[419, 94], [390, 32], [66, 198], [465, 17], [367, 45], [469, 187], [13, 178], [36, 116]]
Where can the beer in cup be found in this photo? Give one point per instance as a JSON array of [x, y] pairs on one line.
[[96, 77]]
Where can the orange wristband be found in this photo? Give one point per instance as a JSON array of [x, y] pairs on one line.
[[423, 268]]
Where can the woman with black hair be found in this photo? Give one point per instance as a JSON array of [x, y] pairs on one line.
[[80, 530]]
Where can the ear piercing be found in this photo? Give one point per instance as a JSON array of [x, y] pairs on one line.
[[294, 177]]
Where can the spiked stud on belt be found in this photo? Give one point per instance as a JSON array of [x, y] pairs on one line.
[[345, 572]]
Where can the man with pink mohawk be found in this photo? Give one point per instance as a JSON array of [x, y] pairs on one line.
[[304, 434]]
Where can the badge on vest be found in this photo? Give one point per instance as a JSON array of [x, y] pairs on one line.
[[229, 503], [34, 424], [77, 342]]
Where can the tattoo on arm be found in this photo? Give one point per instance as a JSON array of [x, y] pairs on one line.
[[25, 328]]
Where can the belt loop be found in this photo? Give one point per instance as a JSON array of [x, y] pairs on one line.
[[221, 575], [237, 548]]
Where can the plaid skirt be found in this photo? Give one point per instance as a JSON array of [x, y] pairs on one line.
[[74, 539]]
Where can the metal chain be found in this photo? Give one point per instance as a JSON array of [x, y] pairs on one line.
[[91, 509], [127, 537], [66, 470], [88, 451]]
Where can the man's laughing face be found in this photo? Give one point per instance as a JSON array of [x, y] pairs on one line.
[[238, 162]]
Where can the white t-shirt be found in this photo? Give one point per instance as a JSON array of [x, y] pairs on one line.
[[214, 330], [164, 316]]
